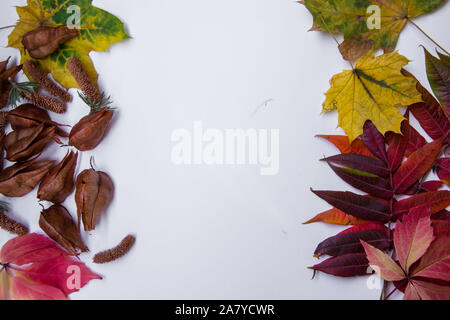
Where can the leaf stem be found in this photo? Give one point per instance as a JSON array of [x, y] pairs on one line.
[[426, 35], [331, 33], [7, 27]]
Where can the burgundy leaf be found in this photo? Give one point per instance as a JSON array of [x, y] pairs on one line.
[[442, 169], [375, 186], [419, 163], [397, 147], [349, 265], [374, 140], [357, 205], [430, 186], [437, 200], [349, 241], [431, 118], [360, 162]]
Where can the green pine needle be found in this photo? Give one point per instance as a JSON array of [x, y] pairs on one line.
[[95, 107], [18, 90]]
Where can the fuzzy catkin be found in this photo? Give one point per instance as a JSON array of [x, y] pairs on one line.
[[12, 226], [45, 102], [84, 81], [45, 82], [117, 252]]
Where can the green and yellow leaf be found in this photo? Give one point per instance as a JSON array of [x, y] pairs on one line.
[[99, 30], [373, 90]]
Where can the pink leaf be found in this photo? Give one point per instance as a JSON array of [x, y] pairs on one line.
[[413, 236], [24, 290], [435, 263], [63, 273], [383, 264], [28, 249]]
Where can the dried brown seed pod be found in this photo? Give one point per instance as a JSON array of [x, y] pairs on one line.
[[58, 224], [90, 130], [84, 81], [21, 178], [25, 143], [94, 193], [45, 82], [117, 252], [28, 115], [43, 41], [43, 101], [5, 85], [58, 184], [12, 226]]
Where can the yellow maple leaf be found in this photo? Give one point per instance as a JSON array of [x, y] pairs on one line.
[[99, 29], [373, 90]]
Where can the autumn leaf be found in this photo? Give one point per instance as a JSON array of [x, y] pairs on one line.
[[99, 30], [36, 268], [423, 259], [438, 71], [351, 18], [372, 91]]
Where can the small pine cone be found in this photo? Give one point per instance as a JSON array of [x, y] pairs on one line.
[[45, 102], [12, 226], [84, 81], [117, 252], [45, 82]]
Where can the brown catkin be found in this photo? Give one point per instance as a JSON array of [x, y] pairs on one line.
[[84, 81], [12, 226], [48, 103], [45, 82], [117, 252]]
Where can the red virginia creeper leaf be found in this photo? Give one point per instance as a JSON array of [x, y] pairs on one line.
[[435, 263], [57, 273], [357, 205], [349, 265], [422, 290], [383, 264], [28, 249], [417, 165], [413, 236], [23, 290], [349, 241]]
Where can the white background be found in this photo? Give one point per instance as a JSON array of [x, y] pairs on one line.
[[217, 232]]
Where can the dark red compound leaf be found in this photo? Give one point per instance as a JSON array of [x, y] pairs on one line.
[[415, 141], [431, 186], [349, 265], [361, 163], [356, 205], [375, 186], [419, 163], [397, 147], [374, 141], [438, 200], [431, 118], [349, 241], [443, 215], [442, 169]]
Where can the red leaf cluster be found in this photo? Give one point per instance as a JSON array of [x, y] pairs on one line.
[[400, 212]]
